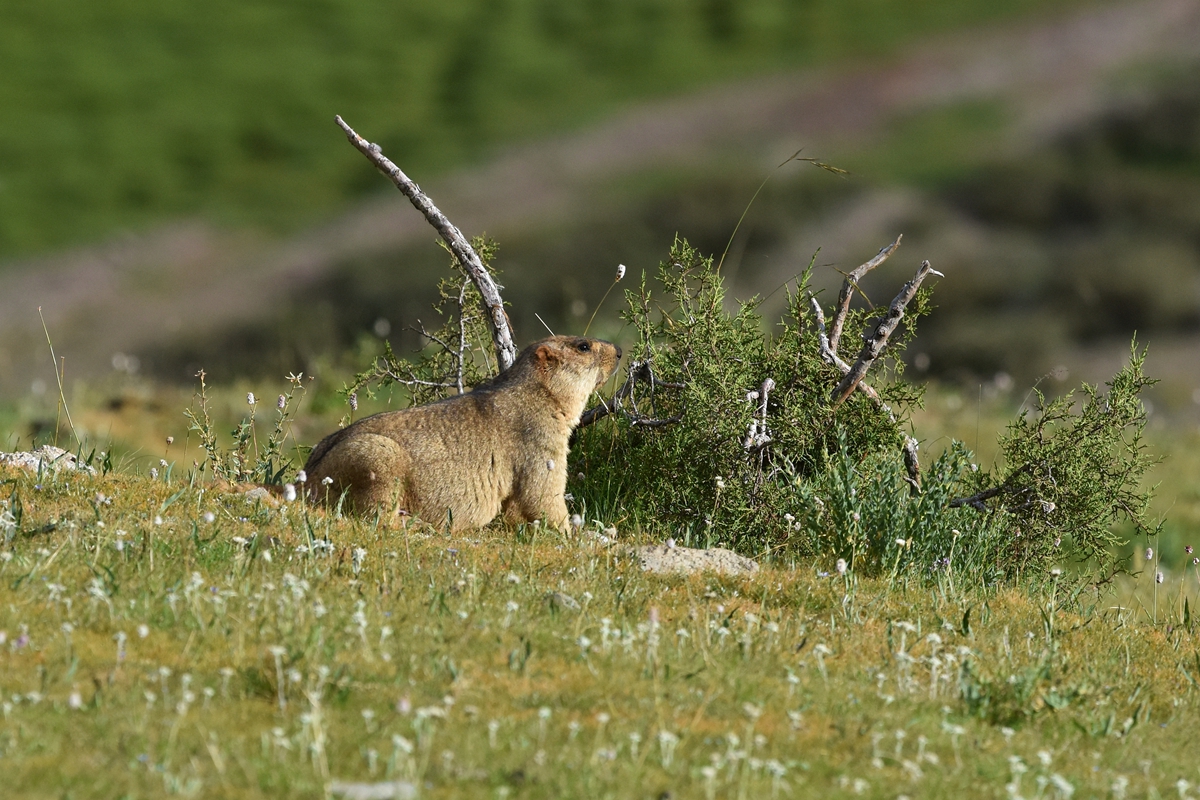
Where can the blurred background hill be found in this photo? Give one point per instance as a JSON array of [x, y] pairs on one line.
[[174, 194]]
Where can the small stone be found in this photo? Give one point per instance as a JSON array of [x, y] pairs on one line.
[[387, 790], [45, 457], [662, 560]]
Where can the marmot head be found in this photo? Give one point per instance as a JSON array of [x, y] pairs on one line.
[[572, 367]]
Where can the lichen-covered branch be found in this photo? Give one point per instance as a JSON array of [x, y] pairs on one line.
[[502, 338], [911, 462], [848, 287], [878, 339]]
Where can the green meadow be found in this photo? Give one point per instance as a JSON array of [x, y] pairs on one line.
[[123, 115], [160, 638]]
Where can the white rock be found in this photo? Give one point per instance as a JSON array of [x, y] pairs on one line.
[[45, 457]]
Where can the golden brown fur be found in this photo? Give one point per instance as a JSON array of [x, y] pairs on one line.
[[499, 448]]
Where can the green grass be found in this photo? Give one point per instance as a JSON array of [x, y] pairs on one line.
[[121, 115], [269, 651]]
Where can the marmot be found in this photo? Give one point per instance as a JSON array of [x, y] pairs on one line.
[[501, 447]]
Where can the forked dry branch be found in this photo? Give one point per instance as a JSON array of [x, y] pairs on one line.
[[911, 462], [850, 285], [876, 341], [873, 344]]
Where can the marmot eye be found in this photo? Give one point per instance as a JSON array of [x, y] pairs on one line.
[[584, 347]]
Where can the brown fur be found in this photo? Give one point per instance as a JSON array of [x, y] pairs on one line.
[[499, 448]]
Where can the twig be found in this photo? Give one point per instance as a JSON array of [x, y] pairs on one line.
[[58, 377], [976, 501], [384, 371], [433, 337], [506, 351], [639, 372], [462, 336], [878, 339], [912, 463], [848, 287], [794, 157], [757, 436]]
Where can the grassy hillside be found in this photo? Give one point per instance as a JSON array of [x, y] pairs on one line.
[[123, 114], [159, 639]]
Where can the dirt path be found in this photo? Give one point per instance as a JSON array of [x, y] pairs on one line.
[[188, 278]]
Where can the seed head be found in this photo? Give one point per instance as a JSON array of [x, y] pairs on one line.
[[1149, 553], [301, 477], [1158, 577], [620, 271], [250, 399], [281, 402], [841, 566]]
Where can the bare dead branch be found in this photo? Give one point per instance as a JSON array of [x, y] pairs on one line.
[[911, 462], [757, 435], [594, 414], [878, 339], [976, 501], [462, 336], [827, 352], [411, 380], [639, 372], [433, 337], [502, 338], [848, 287]]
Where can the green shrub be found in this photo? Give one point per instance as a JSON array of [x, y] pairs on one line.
[[726, 472], [724, 432], [1071, 472]]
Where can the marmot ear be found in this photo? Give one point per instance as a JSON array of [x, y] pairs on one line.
[[546, 355]]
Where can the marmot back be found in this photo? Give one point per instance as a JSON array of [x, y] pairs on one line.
[[501, 447]]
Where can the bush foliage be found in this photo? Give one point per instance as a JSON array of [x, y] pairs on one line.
[[724, 434], [707, 474]]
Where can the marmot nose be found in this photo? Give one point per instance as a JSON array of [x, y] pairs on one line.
[[618, 349]]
